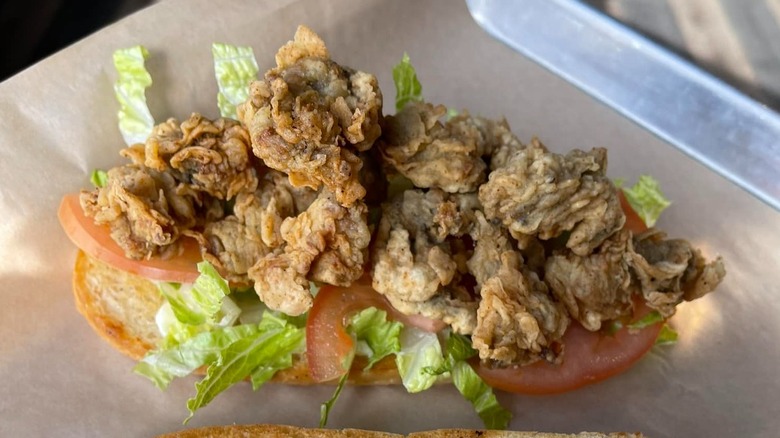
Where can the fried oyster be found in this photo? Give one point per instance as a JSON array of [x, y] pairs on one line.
[[175, 183], [449, 155], [310, 117]]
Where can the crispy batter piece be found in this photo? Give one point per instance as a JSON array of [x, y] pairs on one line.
[[309, 117], [599, 287], [543, 194], [145, 209], [518, 321], [447, 155], [235, 243], [175, 183], [328, 243], [209, 156], [594, 288], [416, 260], [671, 271]]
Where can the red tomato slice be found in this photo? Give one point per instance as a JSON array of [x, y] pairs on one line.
[[96, 241], [634, 223], [328, 345], [589, 357]]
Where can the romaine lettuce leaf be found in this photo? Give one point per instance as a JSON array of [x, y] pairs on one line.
[[646, 321], [375, 337], [328, 405], [457, 351], [647, 200], [98, 178], [407, 87], [162, 366], [371, 328], [667, 336], [270, 350], [420, 351], [135, 120], [203, 302], [480, 395], [235, 68]]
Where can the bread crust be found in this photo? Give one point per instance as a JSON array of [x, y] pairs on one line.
[[121, 308], [274, 431]]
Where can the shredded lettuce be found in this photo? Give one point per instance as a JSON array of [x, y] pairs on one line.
[[647, 200], [235, 68], [420, 351], [375, 337], [667, 336], [371, 328], [481, 396], [647, 320], [204, 301], [98, 178], [174, 331], [407, 86], [469, 384], [328, 405], [258, 356], [135, 119], [162, 366]]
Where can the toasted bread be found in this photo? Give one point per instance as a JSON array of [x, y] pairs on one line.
[[121, 308], [274, 431]]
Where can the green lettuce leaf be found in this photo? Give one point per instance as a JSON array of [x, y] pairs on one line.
[[407, 87], [469, 384], [174, 331], [480, 395], [667, 336], [647, 200], [98, 178], [268, 351], [135, 120], [328, 405], [375, 337], [459, 348], [420, 351], [646, 321], [371, 328], [162, 366], [203, 302], [235, 68]]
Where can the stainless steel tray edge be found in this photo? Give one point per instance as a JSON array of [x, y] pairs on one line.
[[680, 103]]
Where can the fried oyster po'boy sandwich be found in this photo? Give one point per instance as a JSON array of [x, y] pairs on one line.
[[304, 237]]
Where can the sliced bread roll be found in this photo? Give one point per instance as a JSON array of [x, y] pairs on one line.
[[276, 431], [121, 308]]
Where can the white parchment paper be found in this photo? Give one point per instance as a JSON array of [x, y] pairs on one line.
[[58, 122]]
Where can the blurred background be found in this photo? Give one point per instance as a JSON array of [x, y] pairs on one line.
[[736, 40]]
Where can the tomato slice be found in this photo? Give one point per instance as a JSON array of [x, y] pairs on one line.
[[96, 241], [634, 223], [589, 357], [328, 345]]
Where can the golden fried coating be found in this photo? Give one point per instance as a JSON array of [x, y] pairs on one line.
[[670, 271], [448, 155], [415, 259], [518, 321], [594, 288], [310, 117], [542, 194], [328, 243]]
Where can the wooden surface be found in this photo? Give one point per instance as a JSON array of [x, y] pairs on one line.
[[737, 40]]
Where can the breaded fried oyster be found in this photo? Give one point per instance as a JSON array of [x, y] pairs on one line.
[[310, 117]]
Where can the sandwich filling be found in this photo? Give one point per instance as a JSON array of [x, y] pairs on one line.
[[502, 245]]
